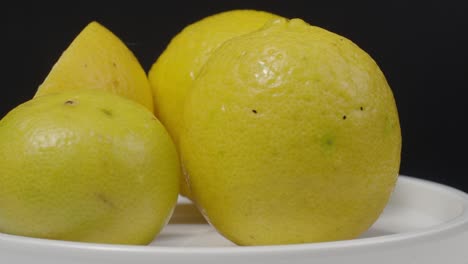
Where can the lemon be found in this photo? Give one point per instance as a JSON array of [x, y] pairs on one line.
[[172, 75], [86, 166], [291, 135], [98, 59]]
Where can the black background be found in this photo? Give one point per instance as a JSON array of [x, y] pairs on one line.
[[420, 46]]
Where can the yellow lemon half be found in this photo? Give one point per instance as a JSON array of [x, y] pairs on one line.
[[98, 59]]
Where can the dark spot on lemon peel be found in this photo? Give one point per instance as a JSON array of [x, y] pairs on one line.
[[329, 142], [101, 197], [254, 111], [114, 64], [344, 117], [70, 102], [361, 108], [107, 112], [85, 65]]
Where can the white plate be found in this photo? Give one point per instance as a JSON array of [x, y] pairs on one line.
[[424, 222]]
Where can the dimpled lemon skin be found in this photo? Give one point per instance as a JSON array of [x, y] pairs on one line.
[[291, 135], [86, 166], [172, 75], [98, 59]]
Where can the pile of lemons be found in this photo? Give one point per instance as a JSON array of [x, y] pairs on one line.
[[280, 132]]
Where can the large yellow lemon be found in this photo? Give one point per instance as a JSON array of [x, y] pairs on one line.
[[86, 166], [291, 135]]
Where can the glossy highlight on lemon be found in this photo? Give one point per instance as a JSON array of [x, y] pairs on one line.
[[86, 166], [290, 135], [98, 59]]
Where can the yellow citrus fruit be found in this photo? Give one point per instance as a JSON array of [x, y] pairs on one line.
[[172, 75], [291, 135], [86, 166], [97, 59]]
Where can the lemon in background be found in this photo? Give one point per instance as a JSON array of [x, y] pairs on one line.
[[291, 135], [98, 59], [86, 166], [172, 75]]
